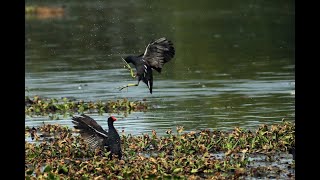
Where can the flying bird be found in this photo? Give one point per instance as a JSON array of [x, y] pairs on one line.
[[156, 54]]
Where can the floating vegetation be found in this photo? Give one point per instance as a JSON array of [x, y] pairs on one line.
[[44, 12], [57, 152], [65, 106]]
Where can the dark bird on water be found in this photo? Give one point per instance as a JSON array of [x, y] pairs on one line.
[[96, 136], [157, 53]]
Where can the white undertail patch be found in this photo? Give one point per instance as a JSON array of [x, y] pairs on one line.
[[145, 69]]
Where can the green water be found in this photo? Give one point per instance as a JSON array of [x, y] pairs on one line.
[[234, 62]]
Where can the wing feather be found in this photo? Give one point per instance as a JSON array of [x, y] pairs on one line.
[[158, 53], [93, 134]]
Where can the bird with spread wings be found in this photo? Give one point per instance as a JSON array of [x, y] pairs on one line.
[[157, 53]]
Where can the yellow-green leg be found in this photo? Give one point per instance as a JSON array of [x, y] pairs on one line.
[[127, 66], [126, 86]]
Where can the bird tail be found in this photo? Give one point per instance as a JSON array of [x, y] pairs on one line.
[[150, 84]]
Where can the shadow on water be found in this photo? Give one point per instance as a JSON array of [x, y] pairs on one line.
[[234, 63]]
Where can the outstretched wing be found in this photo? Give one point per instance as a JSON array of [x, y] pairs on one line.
[[158, 52], [90, 130]]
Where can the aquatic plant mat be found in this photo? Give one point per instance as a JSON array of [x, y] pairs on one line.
[[40, 106], [56, 152]]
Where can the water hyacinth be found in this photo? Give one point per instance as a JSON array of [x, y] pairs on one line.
[[62, 154], [52, 107]]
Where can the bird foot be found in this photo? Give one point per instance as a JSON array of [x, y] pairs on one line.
[[126, 86], [121, 87]]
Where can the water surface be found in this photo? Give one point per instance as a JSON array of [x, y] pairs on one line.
[[234, 62]]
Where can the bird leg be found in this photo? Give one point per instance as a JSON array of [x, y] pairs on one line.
[[127, 66], [126, 86]]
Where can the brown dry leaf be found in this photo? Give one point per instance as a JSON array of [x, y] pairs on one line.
[[193, 177], [228, 153], [154, 133], [244, 150], [153, 160], [122, 162], [240, 171], [99, 178]]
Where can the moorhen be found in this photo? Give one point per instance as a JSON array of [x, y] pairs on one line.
[[157, 53], [95, 136]]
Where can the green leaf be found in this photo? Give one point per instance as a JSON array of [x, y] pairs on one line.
[[194, 170], [107, 154], [47, 169], [177, 170], [81, 109], [208, 171], [30, 171], [52, 176], [63, 169], [84, 177]]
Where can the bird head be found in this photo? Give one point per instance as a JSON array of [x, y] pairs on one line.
[[112, 118], [127, 59]]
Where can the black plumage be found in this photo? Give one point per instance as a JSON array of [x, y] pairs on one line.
[[292, 150], [157, 53], [96, 136]]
